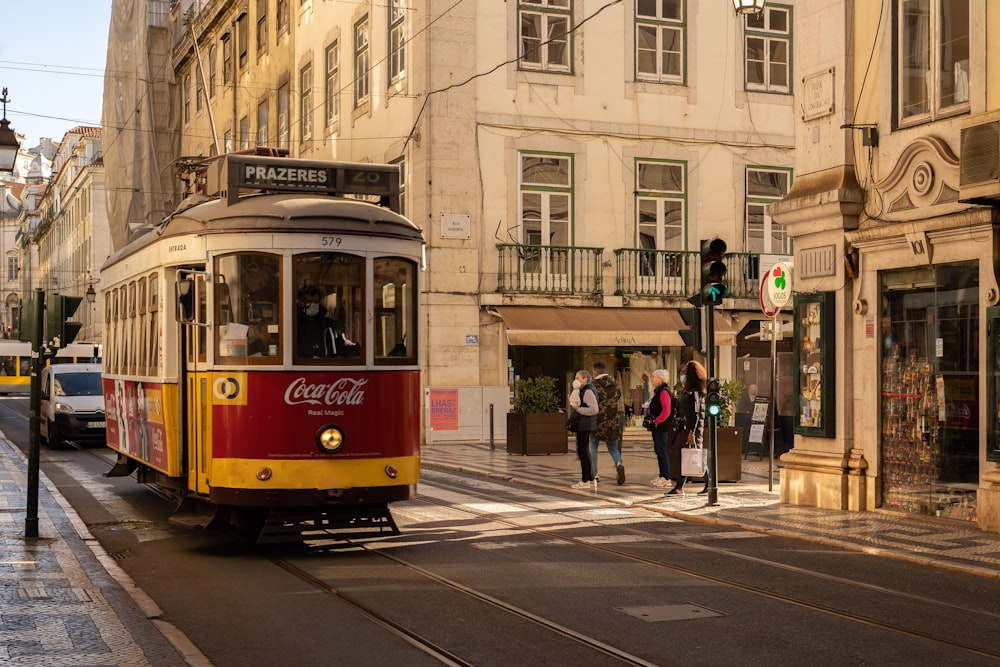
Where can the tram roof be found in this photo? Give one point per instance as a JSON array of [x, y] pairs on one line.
[[267, 212]]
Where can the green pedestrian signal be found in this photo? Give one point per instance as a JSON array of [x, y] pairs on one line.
[[59, 332], [713, 398], [713, 271]]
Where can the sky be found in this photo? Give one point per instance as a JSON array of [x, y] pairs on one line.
[[52, 55]]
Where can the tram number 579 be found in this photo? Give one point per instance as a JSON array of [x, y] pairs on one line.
[[331, 241]]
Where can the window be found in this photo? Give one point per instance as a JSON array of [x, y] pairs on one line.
[[244, 133], [154, 338], [329, 321], [305, 101], [661, 213], [332, 111], [546, 200], [659, 40], [227, 141], [186, 98], [243, 38], [227, 59], [395, 293], [768, 42], [198, 91], [765, 186], [544, 34], [397, 60], [401, 163], [248, 308], [12, 268], [261, 27], [262, 123], [283, 120], [361, 55], [213, 65], [281, 17], [933, 59]]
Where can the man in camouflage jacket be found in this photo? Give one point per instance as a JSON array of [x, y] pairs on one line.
[[609, 420]]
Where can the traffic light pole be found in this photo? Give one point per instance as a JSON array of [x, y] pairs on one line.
[[31, 515], [713, 478]]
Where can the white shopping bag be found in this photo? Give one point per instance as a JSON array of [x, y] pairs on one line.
[[693, 461]]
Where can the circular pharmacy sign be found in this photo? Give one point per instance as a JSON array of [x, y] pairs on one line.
[[766, 304], [778, 283]]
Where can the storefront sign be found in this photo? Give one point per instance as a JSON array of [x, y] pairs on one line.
[[779, 284]]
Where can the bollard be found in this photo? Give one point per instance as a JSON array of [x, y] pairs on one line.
[[493, 445]]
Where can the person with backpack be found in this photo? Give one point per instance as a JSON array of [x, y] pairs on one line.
[[658, 419], [584, 401], [688, 422], [609, 395]]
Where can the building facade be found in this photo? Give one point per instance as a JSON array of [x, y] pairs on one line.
[[893, 216], [69, 229], [563, 157]]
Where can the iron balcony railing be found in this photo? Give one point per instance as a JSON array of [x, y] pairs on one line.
[[660, 273], [549, 269], [528, 269]]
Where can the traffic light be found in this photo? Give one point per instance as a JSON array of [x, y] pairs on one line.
[[60, 308], [692, 335], [25, 329], [713, 399], [713, 271]]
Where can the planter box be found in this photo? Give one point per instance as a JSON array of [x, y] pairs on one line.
[[536, 433], [729, 450]]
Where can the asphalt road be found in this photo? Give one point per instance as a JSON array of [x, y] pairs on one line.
[[491, 573]]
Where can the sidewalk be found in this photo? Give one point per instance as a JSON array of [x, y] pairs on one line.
[[746, 504], [64, 600]]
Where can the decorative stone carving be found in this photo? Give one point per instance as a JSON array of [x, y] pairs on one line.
[[924, 176]]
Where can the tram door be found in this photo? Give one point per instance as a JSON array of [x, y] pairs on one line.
[[198, 390]]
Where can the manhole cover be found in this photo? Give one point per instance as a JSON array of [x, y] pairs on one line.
[[681, 611]]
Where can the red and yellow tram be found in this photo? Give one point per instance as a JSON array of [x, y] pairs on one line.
[[260, 354]]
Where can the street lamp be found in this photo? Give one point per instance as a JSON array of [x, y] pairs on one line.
[[748, 6], [91, 294], [9, 145]]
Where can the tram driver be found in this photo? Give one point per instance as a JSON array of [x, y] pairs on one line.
[[319, 335]]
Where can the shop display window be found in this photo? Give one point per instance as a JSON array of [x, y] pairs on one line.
[[929, 459], [993, 383], [814, 349]]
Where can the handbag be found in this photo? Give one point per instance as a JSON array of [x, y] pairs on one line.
[[649, 422], [693, 461], [573, 423]]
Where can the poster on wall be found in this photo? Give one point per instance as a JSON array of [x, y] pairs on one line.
[[443, 409]]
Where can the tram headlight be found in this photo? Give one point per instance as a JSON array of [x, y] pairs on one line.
[[329, 439]]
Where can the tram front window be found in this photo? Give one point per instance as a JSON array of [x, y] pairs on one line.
[[248, 308], [329, 320]]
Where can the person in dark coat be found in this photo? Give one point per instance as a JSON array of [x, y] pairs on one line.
[[689, 422], [609, 421], [661, 410], [584, 400]]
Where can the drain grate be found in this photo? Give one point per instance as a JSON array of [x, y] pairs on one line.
[[121, 555], [680, 611]]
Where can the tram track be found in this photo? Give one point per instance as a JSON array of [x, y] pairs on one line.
[[851, 616]]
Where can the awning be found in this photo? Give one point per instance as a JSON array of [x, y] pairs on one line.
[[598, 327]]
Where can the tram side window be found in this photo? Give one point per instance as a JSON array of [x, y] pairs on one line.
[[329, 319], [395, 331], [248, 308]]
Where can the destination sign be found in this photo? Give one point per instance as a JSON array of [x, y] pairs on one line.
[[239, 172]]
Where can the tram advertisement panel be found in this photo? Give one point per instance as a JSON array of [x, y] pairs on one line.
[[277, 415], [135, 420]]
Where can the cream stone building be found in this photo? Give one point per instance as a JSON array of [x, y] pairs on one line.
[[564, 159], [68, 238], [893, 215]]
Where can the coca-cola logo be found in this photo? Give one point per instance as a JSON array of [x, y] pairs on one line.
[[344, 391]]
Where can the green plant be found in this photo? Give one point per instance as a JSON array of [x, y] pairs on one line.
[[536, 395], [731, 391]]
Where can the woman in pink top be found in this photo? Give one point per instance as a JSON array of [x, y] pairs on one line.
[[661, 408]]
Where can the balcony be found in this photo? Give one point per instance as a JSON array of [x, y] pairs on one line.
[[534, 269], [549, 269]]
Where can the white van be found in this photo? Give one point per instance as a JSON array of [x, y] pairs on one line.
[[72, 405]]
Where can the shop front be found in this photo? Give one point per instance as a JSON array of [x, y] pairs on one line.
[[929, 403]]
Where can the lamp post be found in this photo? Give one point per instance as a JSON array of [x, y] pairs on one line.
[[748, 6], [9, 145]]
